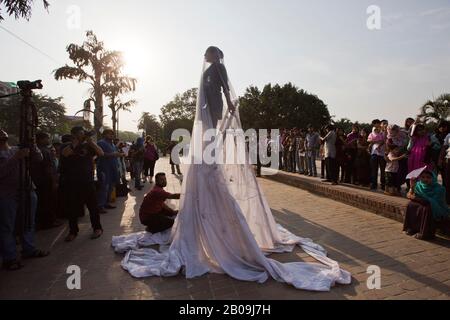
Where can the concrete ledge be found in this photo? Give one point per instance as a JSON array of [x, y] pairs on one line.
[[387, 206]]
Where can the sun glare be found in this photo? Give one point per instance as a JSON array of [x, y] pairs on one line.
[[137, 61], [136, 55]]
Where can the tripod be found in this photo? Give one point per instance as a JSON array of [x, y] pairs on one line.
[[28, 122]]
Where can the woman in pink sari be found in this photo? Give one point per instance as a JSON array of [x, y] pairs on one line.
[[418, 147]]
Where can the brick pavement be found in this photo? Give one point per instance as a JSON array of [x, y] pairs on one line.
[[410, 269]]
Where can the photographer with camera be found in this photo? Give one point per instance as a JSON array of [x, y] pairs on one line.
[[10, 159], [78, 181]]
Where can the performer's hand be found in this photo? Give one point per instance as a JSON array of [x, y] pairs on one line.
[[231, 107]]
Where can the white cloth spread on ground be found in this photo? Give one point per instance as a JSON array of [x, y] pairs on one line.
[[225, 225]]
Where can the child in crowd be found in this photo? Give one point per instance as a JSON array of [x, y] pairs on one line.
[[393, 157]]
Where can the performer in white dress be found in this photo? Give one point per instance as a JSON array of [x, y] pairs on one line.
[[224, 224]]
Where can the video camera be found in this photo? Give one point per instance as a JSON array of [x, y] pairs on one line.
[[29, 85]]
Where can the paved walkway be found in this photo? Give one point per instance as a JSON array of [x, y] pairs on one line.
[[410, 269]]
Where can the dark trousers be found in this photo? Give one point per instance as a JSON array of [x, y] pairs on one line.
[[377, 163], [80, 195], [350, 167], [149, 165], [45, 215], [392, 180], [323, 169], [173, 166], [159, 222], [280, 160], [446, 178], [332, 169], [402, 172]]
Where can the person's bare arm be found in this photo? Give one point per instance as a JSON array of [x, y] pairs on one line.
[[175, 196], [98, 151], [411, 194], [398, 158]]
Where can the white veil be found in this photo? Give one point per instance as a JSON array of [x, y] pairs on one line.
[[225, 224]]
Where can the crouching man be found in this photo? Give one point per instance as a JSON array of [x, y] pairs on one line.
[[154, 213]]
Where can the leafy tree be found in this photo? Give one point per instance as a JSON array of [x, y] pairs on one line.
[[19, 8], [93, 64], [347, 125], [437, 110], [281, 107], [150, 125], [50, 113], [128, 136], [179, 113]]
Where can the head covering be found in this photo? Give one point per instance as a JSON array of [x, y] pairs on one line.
[[140, 142], [434, 193]]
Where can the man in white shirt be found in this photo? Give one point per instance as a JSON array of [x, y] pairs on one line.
[[330, 155]]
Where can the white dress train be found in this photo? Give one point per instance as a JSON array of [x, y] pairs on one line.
[[225, 225]]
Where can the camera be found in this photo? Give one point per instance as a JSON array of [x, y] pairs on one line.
[[30, 85]]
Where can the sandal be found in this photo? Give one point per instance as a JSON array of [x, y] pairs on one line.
[[37, 254], [97, 234], [12, 265]]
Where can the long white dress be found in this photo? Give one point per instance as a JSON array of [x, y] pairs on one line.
[[225, 225]]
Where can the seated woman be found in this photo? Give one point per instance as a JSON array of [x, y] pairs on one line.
[[427, 207]]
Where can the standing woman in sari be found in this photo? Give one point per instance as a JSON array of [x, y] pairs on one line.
[[419, 147]]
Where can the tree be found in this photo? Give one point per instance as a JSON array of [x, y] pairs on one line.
[[347, 125], [50, 111], [95, 65], [128, 136], [437, 110], [281, 107], [179, 113], [150, 125], [117, 85], [51, 114], [19, 8]]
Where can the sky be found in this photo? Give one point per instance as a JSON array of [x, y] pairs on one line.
[[324, 47]]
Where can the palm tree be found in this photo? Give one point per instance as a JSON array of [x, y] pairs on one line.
[[437, 110], [95, 65], [118, 106], [19, 8], [117, 85]]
